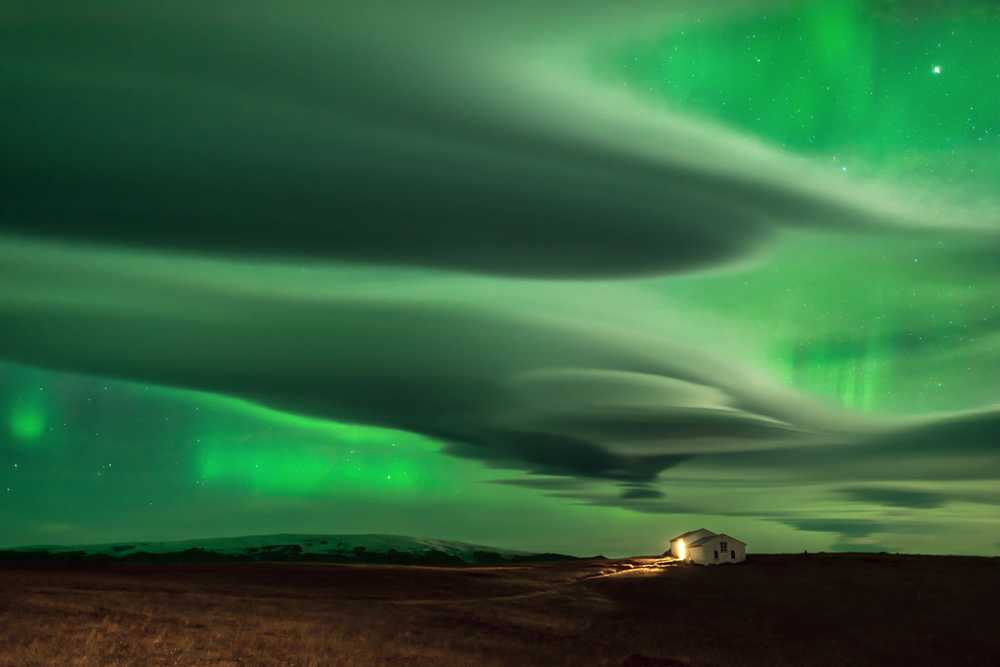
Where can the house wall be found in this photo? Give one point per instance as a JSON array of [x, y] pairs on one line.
[[705, 554]]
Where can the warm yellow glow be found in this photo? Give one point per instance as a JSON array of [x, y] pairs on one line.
[[680, 549]]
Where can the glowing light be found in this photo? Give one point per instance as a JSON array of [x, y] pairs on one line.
[[681, 551], [937, 70]]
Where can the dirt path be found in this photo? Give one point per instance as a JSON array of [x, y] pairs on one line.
[[610, 568]]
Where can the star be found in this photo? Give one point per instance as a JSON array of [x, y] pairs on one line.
[[937, 70]]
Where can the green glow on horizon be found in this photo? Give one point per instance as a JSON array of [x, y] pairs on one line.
[[27, 418], [345, 460], [296, 470], [165, 457], [308, 456]]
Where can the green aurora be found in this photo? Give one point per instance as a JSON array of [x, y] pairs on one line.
[[853, 82], [547, 277]]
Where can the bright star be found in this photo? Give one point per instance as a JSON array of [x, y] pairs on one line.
[[937, 70]]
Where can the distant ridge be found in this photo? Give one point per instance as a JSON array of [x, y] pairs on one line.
[[388, 549]]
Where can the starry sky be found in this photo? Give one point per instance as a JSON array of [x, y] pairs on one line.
[[544, 275]]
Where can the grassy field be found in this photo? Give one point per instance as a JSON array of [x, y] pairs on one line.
[[845, 609]]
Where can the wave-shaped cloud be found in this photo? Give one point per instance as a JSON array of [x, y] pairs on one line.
[[436, 135], [529, 390], [545, 393]]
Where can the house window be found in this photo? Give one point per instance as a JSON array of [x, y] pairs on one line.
[[723, 547]]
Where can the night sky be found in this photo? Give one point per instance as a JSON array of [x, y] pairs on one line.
[[545, 275]]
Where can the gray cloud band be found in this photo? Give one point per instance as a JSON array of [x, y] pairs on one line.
[[539, 393], [364, 142]]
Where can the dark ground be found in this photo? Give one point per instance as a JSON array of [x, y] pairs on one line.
[[822, 609]]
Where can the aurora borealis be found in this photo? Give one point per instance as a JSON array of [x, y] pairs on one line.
[[552, 276]]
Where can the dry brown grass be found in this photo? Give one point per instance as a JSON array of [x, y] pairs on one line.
[[775, 610]]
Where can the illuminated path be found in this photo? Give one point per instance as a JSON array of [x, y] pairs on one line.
[[607, 568]]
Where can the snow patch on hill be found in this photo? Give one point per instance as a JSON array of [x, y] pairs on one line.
[[346, 546]]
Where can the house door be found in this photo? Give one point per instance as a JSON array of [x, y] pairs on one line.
[[716, 555]]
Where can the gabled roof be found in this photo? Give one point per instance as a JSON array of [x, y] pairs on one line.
[[690, 532], [709, 538]]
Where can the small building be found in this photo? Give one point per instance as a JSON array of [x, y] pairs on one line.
[[707, 548], [678, 544]]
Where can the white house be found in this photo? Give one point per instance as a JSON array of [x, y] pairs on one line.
[[707, 548], [679, 543]]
